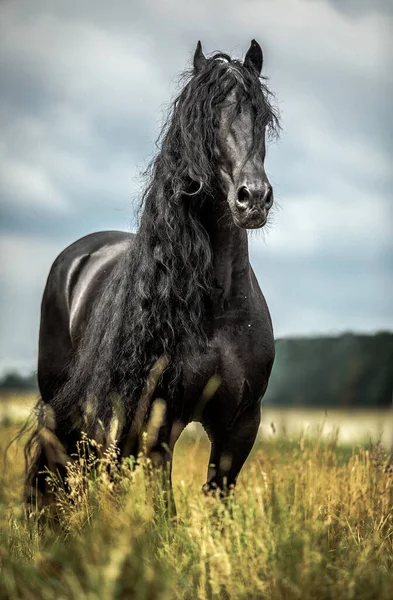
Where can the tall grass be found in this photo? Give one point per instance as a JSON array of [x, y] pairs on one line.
[[309, 520]]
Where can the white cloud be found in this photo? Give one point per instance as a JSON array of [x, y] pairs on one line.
[[352, 221], [29, 185], [26, 260]]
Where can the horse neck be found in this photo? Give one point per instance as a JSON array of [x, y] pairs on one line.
[[229, 246]]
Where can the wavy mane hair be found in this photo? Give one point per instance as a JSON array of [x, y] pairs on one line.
[[156, 298]]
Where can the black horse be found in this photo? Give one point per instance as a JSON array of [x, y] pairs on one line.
[[174, 311]]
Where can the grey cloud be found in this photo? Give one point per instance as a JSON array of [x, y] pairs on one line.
[[358, 8]]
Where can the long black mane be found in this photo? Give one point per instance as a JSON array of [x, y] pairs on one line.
[[155, 302]]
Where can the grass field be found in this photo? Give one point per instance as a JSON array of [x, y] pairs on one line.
[[311, 518]]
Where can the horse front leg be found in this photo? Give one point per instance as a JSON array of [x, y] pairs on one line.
[[230, 449]]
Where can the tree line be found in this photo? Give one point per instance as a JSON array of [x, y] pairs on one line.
[[340, 371]]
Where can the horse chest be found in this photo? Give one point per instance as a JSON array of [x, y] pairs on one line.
[[244, 354], [243, 337], [240, 357]]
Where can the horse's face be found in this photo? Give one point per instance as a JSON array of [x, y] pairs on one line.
[[239, 144], [241, 166]]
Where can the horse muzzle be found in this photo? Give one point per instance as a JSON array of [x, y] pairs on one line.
[[252, 205]]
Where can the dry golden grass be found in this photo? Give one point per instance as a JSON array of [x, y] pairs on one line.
[[309, 520]]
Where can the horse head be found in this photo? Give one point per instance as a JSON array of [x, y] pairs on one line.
[[236, 104]]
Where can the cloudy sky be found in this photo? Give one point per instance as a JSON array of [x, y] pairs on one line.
[[84, 87]]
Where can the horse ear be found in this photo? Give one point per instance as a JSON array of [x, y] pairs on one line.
[[199, 58], [254, 57]]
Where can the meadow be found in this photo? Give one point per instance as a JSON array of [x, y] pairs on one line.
[[312, 517]]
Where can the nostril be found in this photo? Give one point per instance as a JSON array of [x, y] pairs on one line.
[[268, 198], [243, 196]]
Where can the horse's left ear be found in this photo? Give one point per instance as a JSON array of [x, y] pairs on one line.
[[254, 57], [199, 58]]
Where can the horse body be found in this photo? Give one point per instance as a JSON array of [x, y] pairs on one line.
[[240, 350], [181, 288]]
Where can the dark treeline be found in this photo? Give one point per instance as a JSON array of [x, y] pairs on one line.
[[15, 382], [347, 370]]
